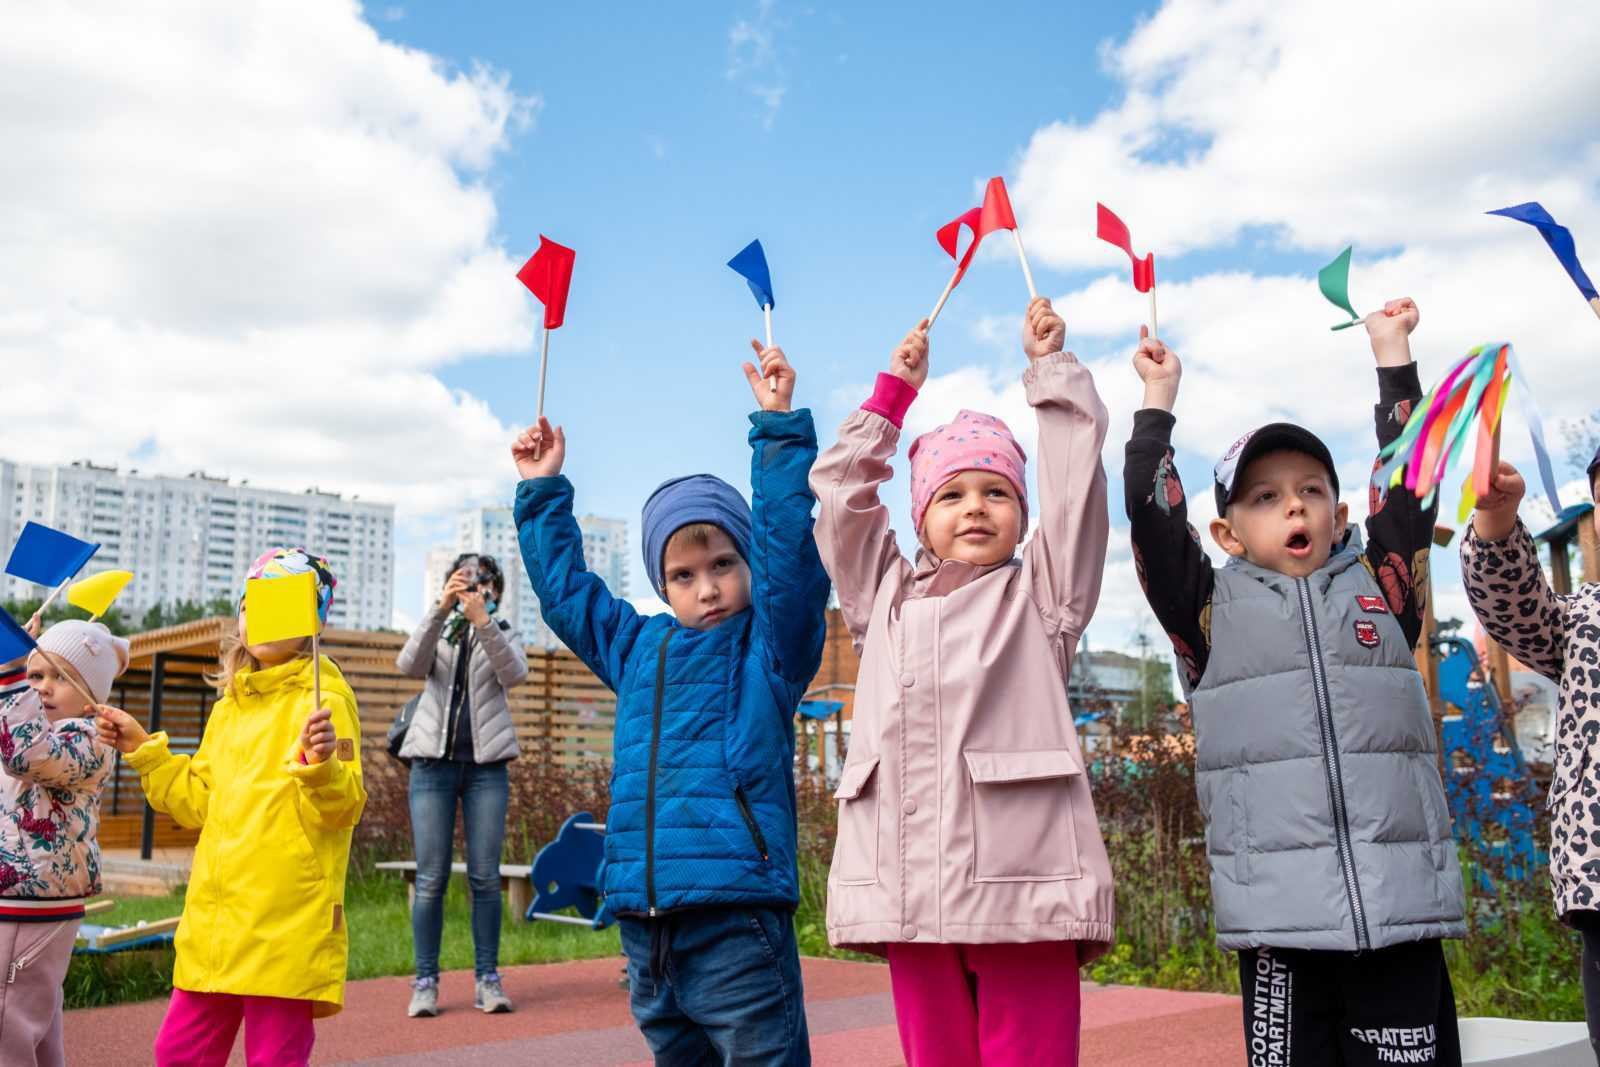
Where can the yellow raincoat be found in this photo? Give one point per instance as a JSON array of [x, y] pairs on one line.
[[264, 915]]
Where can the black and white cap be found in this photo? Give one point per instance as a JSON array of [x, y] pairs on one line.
[[1273, 437]]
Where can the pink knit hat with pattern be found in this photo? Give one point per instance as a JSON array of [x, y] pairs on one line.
[[973, 442]]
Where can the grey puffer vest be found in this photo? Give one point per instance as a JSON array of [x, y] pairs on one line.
[[497, 663], [1317, 767]]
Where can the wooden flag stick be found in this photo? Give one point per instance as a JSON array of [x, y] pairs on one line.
[[1027, 275], [933, 316], [1153, 331], [316, 671], [1595, 303], [766, 309], [544, 364]]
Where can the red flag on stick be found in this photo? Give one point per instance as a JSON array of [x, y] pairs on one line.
[[994, 214], [1113, 230], [548, 275]]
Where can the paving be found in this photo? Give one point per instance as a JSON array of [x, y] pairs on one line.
[[574, 1014]]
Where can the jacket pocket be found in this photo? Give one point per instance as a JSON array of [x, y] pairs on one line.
[[1022, 815], [855, 853], [757, 838], [1431, 789]]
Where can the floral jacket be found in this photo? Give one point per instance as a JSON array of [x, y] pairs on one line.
[[49, 811]]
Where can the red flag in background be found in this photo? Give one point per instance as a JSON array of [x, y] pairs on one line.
[[548, 275], [995, 214], [1113, 230]]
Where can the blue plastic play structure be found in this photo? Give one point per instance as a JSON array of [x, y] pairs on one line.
[[566, 874], [1491, 792]]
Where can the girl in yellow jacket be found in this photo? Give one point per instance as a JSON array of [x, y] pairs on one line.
[[275, 790]]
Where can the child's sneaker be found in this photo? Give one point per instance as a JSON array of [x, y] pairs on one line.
[[424, 998], [489, 997]]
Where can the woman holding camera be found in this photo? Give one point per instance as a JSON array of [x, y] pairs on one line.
[[460, 739]]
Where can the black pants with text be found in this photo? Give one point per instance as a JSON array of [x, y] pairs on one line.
[[1320, 1009]]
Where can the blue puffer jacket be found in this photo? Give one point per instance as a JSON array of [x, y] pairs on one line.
[[702, 781]]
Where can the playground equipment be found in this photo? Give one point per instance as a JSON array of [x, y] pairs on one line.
[[566, 874], [96, 940], [1487, 782], [1524, 1043]]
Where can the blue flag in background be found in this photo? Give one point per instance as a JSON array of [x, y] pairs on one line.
[[751, 264], [48, 557], [1558, 237], [14, 640]]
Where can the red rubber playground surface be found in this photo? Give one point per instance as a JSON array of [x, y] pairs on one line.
[[574, 1015]]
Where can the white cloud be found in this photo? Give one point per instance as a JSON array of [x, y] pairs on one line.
[[1246, 127], [753, 59], [228, 250]]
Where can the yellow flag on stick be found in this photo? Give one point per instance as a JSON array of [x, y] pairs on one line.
[[277, 609], [96, 593]]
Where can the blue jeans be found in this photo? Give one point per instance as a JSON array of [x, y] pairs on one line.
[[718, 986], [483, 790]]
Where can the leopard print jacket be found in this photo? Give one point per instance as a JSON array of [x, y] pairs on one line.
[[1558, 636]]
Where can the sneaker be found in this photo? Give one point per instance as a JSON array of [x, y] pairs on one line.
[[424, 998], [488, 997]]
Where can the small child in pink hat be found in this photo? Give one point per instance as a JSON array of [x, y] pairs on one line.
[[968, 850], [49, 822]]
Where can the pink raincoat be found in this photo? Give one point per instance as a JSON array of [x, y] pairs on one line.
[[964, 811]]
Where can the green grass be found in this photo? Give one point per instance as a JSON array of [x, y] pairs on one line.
[[380, 941]]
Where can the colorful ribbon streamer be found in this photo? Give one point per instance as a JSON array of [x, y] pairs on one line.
[[1475, 389]]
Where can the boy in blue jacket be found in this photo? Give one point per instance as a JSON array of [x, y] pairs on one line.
[[700, 840]]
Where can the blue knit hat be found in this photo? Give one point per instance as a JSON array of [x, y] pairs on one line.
[[682, 502]]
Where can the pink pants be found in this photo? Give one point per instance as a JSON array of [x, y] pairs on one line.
[[33, 964], [995, 1005], [200, 1027]]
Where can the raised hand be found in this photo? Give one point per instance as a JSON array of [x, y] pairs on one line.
[[1160, 370], [1389, 330], [317, 737], [1043, 331], [1497, 509], [118, 729], [774, 366], [909, 360], [539, 451], [473, 608], [452, 591]]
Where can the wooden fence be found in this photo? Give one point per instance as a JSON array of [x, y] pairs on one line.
[[165, 688]]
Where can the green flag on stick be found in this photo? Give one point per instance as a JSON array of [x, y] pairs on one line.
[[1334, 281]]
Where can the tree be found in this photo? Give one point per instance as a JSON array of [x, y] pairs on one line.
[[1154, 698]]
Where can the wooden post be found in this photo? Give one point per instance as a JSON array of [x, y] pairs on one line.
[[1560, 567], [1589, 548], [1427, 662], [1500, 671]]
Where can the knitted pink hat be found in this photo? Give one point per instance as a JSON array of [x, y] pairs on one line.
[[973, 442], [94, 652]]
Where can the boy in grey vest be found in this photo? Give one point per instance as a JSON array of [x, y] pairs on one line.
[[1333, 872]]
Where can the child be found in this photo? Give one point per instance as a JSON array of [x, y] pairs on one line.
[[1333, 872], [968, 848], [700, 839], [1558, 636], [275, 790], [49, 819]]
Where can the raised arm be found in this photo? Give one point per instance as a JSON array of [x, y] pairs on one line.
[[63, 755], [1505, 582], [173, 783], [1399, 528], [788, 587], [416, 658], [598, 627], [853, 536], [1174, 571], [1066, 556]]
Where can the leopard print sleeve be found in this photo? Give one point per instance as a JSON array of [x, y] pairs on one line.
[[1508, 592]]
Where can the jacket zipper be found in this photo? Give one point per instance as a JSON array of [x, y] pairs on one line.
[[750, 821], [1330, 762], [22, 961], [650, 784]]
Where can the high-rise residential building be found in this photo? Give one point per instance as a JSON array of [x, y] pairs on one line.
[[193, 538], [491, 532]]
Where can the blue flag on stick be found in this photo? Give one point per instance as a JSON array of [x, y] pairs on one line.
[[48, 557], [1558, 237], [751, 264], [15, 642]]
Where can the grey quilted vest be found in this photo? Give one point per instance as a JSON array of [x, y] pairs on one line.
[[1317, 767]]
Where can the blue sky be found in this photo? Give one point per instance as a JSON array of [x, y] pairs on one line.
[[278, 239]]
